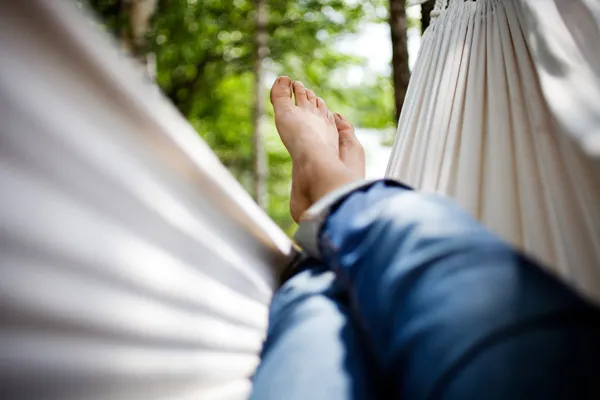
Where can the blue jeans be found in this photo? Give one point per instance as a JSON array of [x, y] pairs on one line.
[[415, 300]]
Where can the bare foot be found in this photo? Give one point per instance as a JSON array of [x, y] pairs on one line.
[[306, 126], [310, 134]]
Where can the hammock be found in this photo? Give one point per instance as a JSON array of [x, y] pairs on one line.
[[134, 266], [502, 114]]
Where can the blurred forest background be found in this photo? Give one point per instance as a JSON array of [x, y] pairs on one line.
[[216, 60]]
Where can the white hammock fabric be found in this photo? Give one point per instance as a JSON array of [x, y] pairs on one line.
[[503, 115], [133, 265]]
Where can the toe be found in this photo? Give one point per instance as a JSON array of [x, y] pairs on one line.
[[312, 97], [322, 107], [351, 151], [281, 94], [344, 127], [300, 94]]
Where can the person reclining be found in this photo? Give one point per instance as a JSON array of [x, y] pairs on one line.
[[406, 296]]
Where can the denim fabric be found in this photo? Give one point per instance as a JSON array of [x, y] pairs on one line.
[[446, 308], [313, 349]]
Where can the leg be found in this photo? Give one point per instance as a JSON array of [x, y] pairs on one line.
[[453, 312], [450, 310], [313, 349]]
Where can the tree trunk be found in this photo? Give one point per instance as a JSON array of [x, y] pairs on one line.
[[399, 52], [139, 18], [426, 9], [259, 154]]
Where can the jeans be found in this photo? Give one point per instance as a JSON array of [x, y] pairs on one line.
[[415, 300]]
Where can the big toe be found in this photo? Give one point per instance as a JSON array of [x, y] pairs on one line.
[[281, 94]]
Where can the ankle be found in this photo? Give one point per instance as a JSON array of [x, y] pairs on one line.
[[322, 176]]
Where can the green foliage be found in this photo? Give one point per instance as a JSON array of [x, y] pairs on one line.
[[203, 50]]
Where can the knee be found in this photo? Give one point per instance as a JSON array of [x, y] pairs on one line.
[[313, 284]]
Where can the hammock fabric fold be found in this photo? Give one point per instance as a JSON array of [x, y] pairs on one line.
[[133, 265], [477, 126]]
